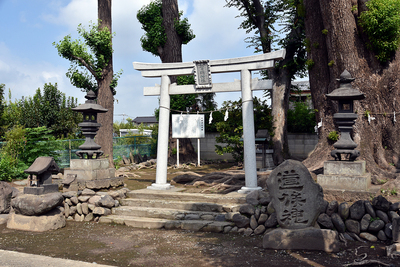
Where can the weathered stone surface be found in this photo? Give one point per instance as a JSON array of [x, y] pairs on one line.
[[220, 218], [101, 211], [395, 206], [248, 231], [259, 230], [94, 199], [369, 209], [263, 218], [365, 221], [270, 208], [91, 207], [88, 192], [247, 209], [271, 221], [382, 215], [6, 192], [79, 217], [79, 208], [392, 215], [357, 210], [70, 194], [338, 223], [89, 217], [381, 203], [253, 222], [332, 208], [376, 225], [369, 237], [3, 218], [297, 199], [105, 201], [74, 200], [227, 229], [33, 205], [344, 210], [83, 198], [252, 198], [325, 221], [192, 217], [66, 210], [68, 201], [381, 235], [353, 226], [257, 213], [396, 230], [85, 208], [50, 221], [388, 230], [240, 220], [307, 239]]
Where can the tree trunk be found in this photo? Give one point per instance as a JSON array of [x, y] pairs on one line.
[[172, 52], [344, 47], [105, 96]]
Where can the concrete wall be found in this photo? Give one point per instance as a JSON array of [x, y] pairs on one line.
[[300, 145]]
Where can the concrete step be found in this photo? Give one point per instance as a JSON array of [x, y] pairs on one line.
[[174, 194], [169, 214], [156, 223], [173, 204]]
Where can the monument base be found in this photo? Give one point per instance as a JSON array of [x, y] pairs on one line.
[[160, 186], [51, 221], [345, 175], [40, 190], [246, 190], [307, 239]]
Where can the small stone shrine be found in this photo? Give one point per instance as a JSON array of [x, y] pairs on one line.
[[345, 174], [43, 168], [90, 171], [297, 201]]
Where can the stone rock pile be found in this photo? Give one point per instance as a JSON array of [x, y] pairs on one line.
[[366, 220], [88, 205]]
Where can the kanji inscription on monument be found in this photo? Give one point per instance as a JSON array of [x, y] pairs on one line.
[[297, 199], [202, 74]]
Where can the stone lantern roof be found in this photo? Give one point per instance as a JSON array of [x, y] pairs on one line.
[[90, 105], [345, 90]]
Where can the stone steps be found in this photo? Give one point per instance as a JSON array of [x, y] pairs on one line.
[[176, 210]]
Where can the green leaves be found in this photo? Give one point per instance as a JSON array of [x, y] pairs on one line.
[[381, 22], [89, 58]]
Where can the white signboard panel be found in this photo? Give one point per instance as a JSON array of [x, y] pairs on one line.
[[188, 126]]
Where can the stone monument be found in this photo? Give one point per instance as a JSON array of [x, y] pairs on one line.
[[297, 201], [345, 174], [90, 171]]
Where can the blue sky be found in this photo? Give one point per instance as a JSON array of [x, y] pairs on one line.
[[28, 59]]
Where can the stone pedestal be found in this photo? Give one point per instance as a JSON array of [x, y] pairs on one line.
[[345, 175], [51, 221], [40, 190], [91, 173]]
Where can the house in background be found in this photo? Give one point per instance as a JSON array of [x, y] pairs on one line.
[[300, 92], [146, 120]]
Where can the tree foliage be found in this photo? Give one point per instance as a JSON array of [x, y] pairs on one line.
[[381, 22], [155, 37], [89, 58], [231, 130], [301, 119]]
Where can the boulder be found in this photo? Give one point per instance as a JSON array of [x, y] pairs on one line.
[[6, 192], [101, 211], [338, 223], [271, 221], [50, 221], [369, 209], [357, 210], [344, 210], [396, 230], [247, 209], [382, 215], [365, 221], [353, 226], [240, 220], [381, 203], [388, 230], [259, 230], [369, 237], [106, 201], [34, 205], [253, 222], [376, 226], [395, 206], [325, 221], [332, 208], [252, 198]]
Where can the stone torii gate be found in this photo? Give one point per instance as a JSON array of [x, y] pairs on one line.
[[202, 70]]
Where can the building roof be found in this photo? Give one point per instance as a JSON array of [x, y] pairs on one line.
[[145, 119], [43, 164]]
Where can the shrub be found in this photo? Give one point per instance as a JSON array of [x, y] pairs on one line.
[[301, 119]]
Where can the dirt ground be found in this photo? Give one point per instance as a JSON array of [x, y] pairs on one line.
[[119, 245]]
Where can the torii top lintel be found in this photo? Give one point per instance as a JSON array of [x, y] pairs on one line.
[[256, 62]]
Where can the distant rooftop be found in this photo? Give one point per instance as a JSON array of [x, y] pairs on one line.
[[145, 119]]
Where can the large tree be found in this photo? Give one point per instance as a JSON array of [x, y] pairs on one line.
[[92, 69], [165, 32], [262, 16], [342, 36]]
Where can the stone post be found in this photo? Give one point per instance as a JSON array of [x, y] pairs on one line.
[[248, 134], [163, 135]]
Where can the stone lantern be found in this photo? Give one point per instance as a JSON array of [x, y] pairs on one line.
[[345, 117], [90, 126]]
